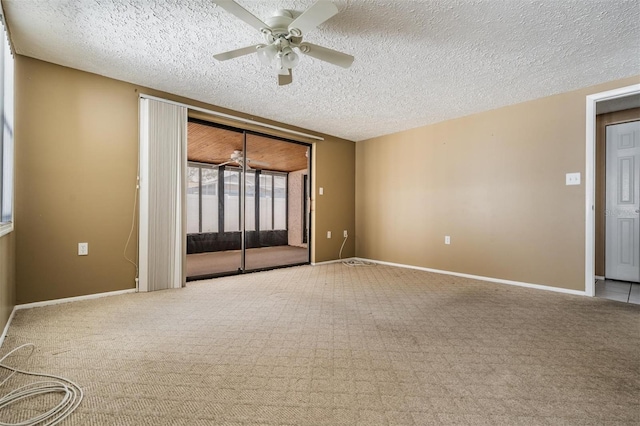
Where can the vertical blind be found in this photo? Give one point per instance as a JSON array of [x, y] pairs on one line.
[[163, 137]]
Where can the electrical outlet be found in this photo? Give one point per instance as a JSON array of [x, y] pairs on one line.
[[345, 234], [447, 239], [573, 179], [328, 234], [83, 249]]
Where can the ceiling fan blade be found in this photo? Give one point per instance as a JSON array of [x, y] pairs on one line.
[[223, 164], [315, 15], [284, 79], [241, 13], [236, 53], [328, 55]]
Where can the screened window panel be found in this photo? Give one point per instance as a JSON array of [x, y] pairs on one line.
[[266, 202], [193, 200], [231, 201], [250, 201], [280, 202], [209, 187]]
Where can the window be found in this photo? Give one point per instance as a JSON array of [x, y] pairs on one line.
[[280, 202], [250, 201], [273, 201], [193, 200], [266, 202], [209, 199], [231, 201], [6, 136], [202, 199]]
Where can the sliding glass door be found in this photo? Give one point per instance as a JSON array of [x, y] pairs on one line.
[[214, 237], [274, 205], [247, 201]]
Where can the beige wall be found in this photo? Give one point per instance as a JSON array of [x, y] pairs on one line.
[[76, 154], [7, 277], [494, 182], [76, 161], [333, 170]]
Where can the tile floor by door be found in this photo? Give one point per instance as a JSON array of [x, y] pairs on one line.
[[622, 291]]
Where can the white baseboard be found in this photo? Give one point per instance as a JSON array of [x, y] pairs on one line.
[[74, 299], [328, 262], [56, 302], [481, 278], [598, 277]]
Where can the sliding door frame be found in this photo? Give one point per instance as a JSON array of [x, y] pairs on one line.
[[309, 180], [242, 183], [242, 194]]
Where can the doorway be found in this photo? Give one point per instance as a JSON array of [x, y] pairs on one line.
[[595, 208], [622, 230], [617, 207], [243, 200]]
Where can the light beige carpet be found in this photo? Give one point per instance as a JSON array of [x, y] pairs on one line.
[[331, 345]]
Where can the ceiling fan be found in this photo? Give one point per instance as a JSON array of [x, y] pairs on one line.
[[282, 34], [238, 158]]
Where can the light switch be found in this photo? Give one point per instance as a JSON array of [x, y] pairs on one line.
[[573, 178], [321, 191]]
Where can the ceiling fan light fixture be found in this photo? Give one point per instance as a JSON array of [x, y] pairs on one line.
[[278, 65], [289, 58], [266, 53]]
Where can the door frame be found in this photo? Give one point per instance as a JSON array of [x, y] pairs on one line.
[[612, 234], [245, 133], [590, 179]]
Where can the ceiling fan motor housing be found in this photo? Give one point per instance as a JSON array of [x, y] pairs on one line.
[[279, 24]]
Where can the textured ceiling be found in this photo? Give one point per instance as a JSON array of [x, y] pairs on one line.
[[417, 62]]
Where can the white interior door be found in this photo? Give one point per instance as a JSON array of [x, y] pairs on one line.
[[622, 253]]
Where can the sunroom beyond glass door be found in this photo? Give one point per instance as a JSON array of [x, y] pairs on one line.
[[274, 204], [245, 210], [214, 238]]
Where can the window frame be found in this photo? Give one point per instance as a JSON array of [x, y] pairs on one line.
[[257, 194], [258, 171], [272, 204], [286, 201], [222, 201], [200, 166], [7, 142]]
